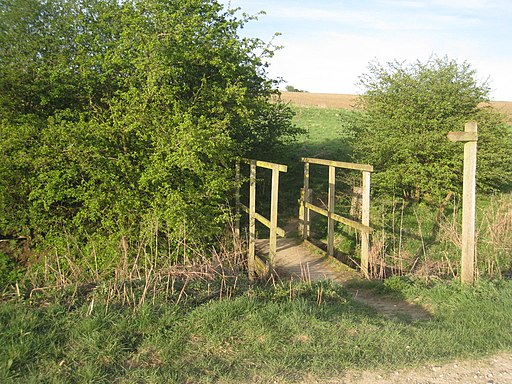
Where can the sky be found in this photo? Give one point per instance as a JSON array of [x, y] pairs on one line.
[[328, 44]]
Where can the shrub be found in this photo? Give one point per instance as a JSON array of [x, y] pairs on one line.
[[115, 114], [410, 109]]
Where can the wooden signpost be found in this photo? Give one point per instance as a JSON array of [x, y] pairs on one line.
[[469, 137]]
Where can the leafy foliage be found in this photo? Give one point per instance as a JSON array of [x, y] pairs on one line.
[[410, 109], [114, 114]]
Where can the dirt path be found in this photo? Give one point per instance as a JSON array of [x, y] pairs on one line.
[[491, 370], [301, 261]]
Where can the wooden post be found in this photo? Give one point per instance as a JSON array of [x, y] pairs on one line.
[[469, 137], [273, 215], [330, 209], [237, 199], [365, 219], [306, 199], [301, 213], [252, 220]]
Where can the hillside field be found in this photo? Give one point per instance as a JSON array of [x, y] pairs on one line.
[[346, 101]]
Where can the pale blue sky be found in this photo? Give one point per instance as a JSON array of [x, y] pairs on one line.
[[328, 44]]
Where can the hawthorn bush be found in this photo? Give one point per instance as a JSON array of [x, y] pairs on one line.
[[120, 116], [409, 109]]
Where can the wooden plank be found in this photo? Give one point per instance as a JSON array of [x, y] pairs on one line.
[[307, 199], [274, 197], [469, 207], [316, 209], [330, 208], [244, 208], [338, 164], [261, 267], [263, 220], [365, 220], [301, 212], [252, 220], [237, 199], [266, 164], [462, 136], [340, 219]]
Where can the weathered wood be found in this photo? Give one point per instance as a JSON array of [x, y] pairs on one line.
[[252, 221], [261, 267], [338, 164], [266, 164], [364, 226], [365, 220], [307, 199], [469, 207], [253, 262], [273, 214], [462, 136], [263, 220], [237, 199], [331, 202], [301, 212], [339, 218]]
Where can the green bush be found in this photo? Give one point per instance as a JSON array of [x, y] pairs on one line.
[[410, 109], [10, 272], [117, 114]]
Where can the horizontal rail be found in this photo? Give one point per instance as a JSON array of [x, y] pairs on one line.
[[338, 218], [338, 164], [266, 164], [263, 220], [261, 266]]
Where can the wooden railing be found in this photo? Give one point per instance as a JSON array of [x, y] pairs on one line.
[[255, 264], [306, 206]]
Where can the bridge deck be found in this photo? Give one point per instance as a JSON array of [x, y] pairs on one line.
[[298, 260]]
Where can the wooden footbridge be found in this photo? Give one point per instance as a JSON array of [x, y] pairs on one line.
[[294, 254]]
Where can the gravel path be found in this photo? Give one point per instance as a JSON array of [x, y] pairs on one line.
[[490, 370]]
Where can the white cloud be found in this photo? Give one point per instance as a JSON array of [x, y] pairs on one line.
[[328, 44], [466, 4]]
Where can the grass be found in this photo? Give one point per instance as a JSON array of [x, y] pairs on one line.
[[262, 334]]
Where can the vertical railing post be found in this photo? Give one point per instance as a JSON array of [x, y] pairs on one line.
[[237, 199], [306, 199], [365, 220], [330, 208], [273, 215], [301, 213], [252, 219]]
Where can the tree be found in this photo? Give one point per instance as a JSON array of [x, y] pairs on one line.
[[410, 109], [291, 88], [118, 113]]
